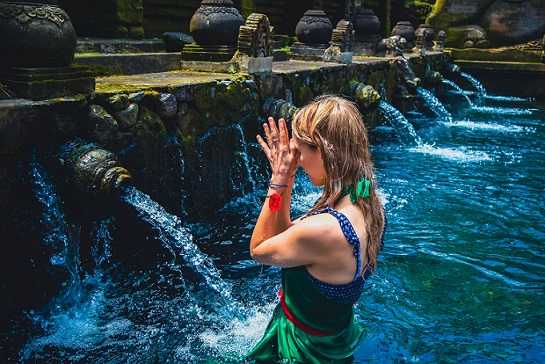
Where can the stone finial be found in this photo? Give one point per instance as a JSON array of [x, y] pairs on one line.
[[314, 28], [440, 43], [420, 46], [216, 22], [405, 30]]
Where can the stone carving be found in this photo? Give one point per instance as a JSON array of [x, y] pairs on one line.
[[341, 43], [394, 46], [505, 22], [216, 22], [343, 35], [365, 96], [255, 39], [278, 108], [429, 35], [405, 30], [313, 31], [467, 36], [314, 28], [27, 12], [440, 43], [407, 82], [94, 169], [255, 45], [35, 35]]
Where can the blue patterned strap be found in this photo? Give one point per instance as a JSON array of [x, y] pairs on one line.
[[349, 233]]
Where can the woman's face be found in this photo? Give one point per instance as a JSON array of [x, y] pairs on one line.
[[311, 161]]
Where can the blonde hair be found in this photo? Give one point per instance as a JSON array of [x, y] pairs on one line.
[[334, 125]]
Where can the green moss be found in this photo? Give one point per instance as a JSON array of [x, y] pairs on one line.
[[305, 95], [130, 11], [205, 99], [236, 96], [247, 7]]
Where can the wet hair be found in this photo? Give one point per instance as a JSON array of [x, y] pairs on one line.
[[334, 125]]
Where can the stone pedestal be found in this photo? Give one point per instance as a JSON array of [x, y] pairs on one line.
[[48, 83], [308, 51], [218, 53]]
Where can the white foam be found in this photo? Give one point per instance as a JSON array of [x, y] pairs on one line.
[[458, 154], [489, 126]]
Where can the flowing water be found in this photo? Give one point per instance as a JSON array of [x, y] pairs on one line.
[[461, 278]]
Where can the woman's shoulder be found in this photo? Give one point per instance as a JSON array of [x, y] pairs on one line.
[[322, 227]]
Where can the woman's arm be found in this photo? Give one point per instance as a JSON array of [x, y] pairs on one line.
[[284, 161]]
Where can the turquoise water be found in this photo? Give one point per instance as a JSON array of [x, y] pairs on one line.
[[461, 278]]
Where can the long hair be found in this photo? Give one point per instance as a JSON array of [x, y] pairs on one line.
[[334, 125]]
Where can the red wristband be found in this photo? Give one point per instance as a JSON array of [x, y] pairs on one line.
[[275, 202]]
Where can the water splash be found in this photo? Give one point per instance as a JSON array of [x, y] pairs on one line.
[[460, 154], [478, 86], [237, 167], [504, 110], [434, 104], [53, 219], [459, 89], [179, 241], [491, 126], [405, 131]]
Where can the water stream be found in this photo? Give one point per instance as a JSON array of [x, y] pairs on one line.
[[461, 278]]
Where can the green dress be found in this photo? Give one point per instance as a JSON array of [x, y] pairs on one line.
[[329, 333]]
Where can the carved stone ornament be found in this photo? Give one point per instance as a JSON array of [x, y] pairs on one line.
[[28, 12], [343, 35], [255, 39]]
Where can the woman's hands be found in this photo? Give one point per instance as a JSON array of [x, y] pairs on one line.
[[283, 158]]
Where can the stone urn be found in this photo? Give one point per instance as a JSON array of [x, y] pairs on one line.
[[216, 22], [35, 34], [428, 33], [406, 30], [314, 28], [366, 26]]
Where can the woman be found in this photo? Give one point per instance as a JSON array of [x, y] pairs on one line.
[[326, 255]]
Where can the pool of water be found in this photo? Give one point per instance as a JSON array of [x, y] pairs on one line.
[[461, 277]]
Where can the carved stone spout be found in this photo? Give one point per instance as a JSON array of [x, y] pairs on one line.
[[365, 96], [94, 169], [278, 108]]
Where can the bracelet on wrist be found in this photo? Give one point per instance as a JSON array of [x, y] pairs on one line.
[[277, 185]]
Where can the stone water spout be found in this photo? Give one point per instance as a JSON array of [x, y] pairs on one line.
[[407, 82], [365, 96], [278, 108], [93, 169]]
